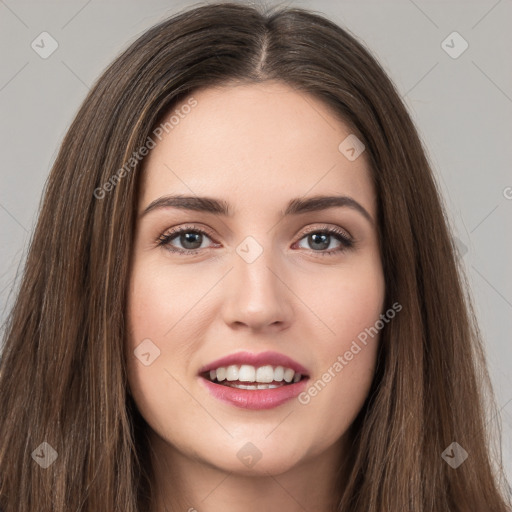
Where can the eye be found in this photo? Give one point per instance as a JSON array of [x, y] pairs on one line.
[[320, 239], [192, 240]]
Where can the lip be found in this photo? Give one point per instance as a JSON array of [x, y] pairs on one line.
[[257, 399], [260, 398], [263, 358]]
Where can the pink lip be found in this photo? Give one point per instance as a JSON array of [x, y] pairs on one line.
[[255, 399], [259, 398], [256, 360]]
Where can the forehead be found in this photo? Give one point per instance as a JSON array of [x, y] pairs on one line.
[[258, 142]]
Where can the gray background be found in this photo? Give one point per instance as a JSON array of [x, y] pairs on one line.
[[462, 107]]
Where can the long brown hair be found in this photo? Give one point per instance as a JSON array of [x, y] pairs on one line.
[[62, 373]]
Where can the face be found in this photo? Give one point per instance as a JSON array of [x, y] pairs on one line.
[[305, 284]]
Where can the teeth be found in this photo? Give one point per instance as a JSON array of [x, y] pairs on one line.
[[265, 374], [288, 375], [247, 373], [279, 373], [232, 372]]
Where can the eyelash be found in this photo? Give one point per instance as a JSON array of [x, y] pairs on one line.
[[346, 243]]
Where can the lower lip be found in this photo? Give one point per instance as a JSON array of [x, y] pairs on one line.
[[255, 399]]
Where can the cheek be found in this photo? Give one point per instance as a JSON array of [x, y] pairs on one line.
[[349, 304], [163, 311], [154, 300], [341, 384], [152, 310], [162, 300], [346, 301]]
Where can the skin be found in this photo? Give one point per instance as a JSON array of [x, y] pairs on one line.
[[256, 147]]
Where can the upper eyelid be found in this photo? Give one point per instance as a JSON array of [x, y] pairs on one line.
[[326, 227]]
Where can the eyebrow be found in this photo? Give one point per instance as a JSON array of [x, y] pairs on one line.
[[219, 207]]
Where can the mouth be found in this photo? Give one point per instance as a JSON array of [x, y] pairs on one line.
[[254, 381]]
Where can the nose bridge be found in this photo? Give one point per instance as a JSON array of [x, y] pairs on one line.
[[257, 296], [253, 262]]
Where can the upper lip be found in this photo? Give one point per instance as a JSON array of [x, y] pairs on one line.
[[256, 360]]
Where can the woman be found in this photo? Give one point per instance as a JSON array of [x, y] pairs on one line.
[[242, 291]]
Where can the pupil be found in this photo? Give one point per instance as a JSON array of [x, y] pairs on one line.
[[314, 237]]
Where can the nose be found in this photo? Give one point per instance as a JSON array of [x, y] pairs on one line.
[[258, 295]]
